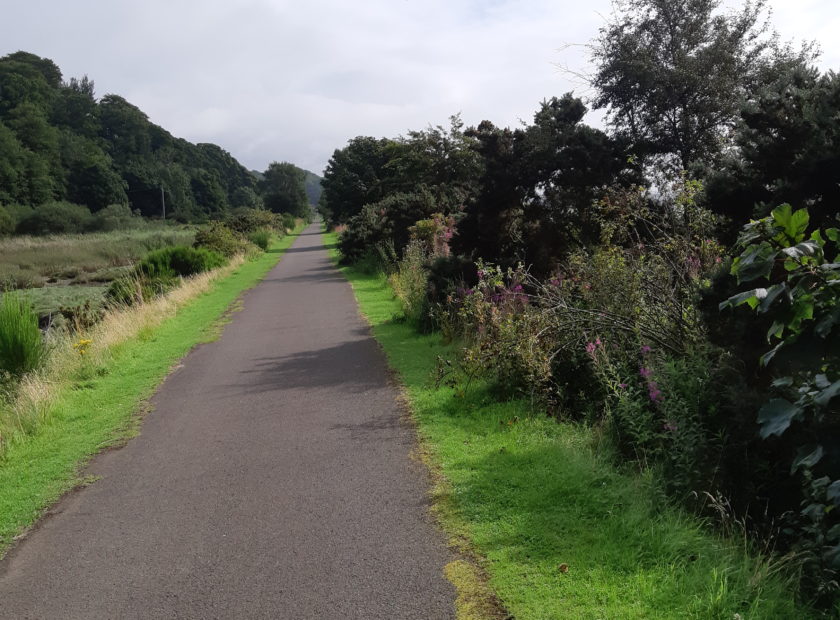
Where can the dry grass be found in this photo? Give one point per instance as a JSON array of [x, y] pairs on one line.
[[75, 356]]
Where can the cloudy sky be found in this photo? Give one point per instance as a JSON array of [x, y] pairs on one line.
[[293, 80]]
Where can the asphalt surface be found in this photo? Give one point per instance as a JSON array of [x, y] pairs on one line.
[[272, 479]]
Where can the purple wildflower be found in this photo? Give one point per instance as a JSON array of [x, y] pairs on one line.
[[622, 386], [590, 348], [645, 372], [646, 349]]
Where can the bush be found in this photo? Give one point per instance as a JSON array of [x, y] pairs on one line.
[[219, 238], [179, 261], [21, 345], [7, 223], [57, 217], [246, 221], [261, 238], [410, 281], [116, 217]]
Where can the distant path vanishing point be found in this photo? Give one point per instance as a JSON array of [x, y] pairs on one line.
[[272, 479]]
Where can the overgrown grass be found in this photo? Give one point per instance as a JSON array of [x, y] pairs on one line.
[[84, 402], [27, 262], [21, 345], [563, 534]]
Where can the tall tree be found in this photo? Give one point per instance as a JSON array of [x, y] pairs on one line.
[[283, 189], [674, 74], [354, 177]]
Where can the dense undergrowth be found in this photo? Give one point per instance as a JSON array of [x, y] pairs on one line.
[[564, 532]]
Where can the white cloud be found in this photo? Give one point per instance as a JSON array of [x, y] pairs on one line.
[[281, 80]]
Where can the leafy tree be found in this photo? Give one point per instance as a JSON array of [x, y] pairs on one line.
[[788, 151], [56, 217], [355, 177], [283, 191], [674, 74], [91, 178]]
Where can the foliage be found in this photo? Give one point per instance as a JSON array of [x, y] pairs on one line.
[[7, 224], [58, 142], [283, 189], [261, 238], [553, 491], [179, 261], [219, 238], [801, 274], [22, 347], [385, 226], [674, 75], [787, 151], [246, 221], [354, 178], [409, 282], [56, 217]]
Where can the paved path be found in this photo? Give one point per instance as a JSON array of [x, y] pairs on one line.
[[271, 480]]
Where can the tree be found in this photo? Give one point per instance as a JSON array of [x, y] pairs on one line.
[[355, 177], [674, 74], [283, 189], [788, 151]]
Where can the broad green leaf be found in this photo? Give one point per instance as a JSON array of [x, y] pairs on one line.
[[833, 494], [777, 329], [806, 248], [783, 382], [833, 234], [827, 394], [807, 456], [771, 295], [827, 323], [775, 417], [768, 357], [749, 297], [794, 223], [756, 262]]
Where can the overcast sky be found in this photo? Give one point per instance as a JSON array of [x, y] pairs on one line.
[[292, 81]]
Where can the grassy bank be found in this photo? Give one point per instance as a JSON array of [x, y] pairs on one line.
[[562, 533], [93, 405]]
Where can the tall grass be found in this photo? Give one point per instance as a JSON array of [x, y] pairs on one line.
[[21, 344]]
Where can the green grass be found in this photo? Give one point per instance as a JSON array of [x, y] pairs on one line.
[[562, 533], [100, 409]]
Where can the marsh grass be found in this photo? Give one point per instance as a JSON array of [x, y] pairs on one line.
[[28, 262]]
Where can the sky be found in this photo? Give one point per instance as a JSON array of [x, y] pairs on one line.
[[282, 80]]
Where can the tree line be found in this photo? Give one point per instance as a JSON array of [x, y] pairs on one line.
[[65, 153]]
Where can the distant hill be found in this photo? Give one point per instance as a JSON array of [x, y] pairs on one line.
[[313, 187]]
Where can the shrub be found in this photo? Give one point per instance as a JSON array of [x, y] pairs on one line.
[[409, 283], [21, 344], [261, 238], [57, 217], [245, 221], [289, 221], [7, 223], [219, 238], [116, 217], [179, 261]]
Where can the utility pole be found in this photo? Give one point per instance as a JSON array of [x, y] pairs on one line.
[[162, 203]]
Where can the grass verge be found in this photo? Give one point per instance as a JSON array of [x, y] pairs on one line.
[[561, 533], [95, 405]]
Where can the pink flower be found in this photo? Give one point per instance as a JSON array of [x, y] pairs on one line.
[[590, 348], [622, 386], [597, 342], [646, 349], [645, 372]]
